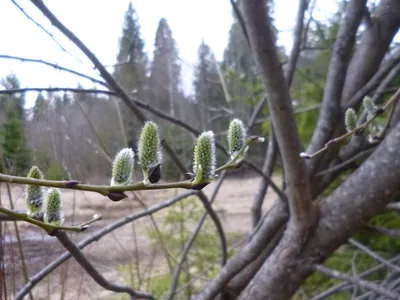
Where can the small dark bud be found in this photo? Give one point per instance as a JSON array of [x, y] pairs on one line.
[[239, 165], [379, 111], [71, 183], [200, 186], [155, 173], [84, 228], [116, 196], [53, 232]]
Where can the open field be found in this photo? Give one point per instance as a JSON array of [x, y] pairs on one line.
[[232, 204]]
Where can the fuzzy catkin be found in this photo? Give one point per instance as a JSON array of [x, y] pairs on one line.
[[122, 170], [236, 136], [204, 156], [149, 149], [34, 194], [54, 211]]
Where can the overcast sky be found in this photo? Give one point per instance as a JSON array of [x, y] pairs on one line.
[[99, 25]]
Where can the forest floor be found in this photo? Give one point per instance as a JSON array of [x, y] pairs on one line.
[[121, 247]]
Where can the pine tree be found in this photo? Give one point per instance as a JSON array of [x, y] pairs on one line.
[[131, 69], [40, 107], [11, 82], [131, 59], [208, 92], [165, 71], [13, 142]]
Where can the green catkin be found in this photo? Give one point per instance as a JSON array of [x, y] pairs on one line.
[[350, 120], [204, 157], [54, 212], [149, 148], [122, 170], [34, 194], [236, 136]]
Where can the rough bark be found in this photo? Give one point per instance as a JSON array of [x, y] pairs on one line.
[[366, 192], [373, 46], [278, 98]]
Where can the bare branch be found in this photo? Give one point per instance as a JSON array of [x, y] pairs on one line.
[[189, 243], [275, 218], [330, 109], [376, 80], [95, 237], [357, 281], [96, 275], [297, 40], [44, 30], [386, 231], [373, 254], [61, 68], [373, 46], [268, 167], [340, 286], [55, 89], [240, 19], [281, 108]]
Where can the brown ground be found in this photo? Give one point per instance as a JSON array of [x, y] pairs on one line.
[[233, 205]]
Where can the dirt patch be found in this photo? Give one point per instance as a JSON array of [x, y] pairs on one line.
[[233, 205]]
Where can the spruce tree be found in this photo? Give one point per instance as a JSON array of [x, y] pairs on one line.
[[131, 68], [165, 71], [13, 142], [208, 93], [11, 82]]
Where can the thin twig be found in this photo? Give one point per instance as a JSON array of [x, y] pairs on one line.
[[96, 275], [55, 89], [190, 242], [357, 281], [95, 237], [55, 66], [374, 255], [21, 249], [391, 102], [386, 231], [45, 30], [21, 216]]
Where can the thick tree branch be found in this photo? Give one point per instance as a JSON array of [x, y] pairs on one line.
[[345, 211], [373, 46], [275, 218], [278, 98]]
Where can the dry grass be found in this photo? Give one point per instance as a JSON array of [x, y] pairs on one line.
[[233, 204]]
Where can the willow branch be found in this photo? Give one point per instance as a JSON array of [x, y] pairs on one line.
[[96, 275], [360, 128], [97, 236], [190, 242], [55, 89], [56, 66]]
